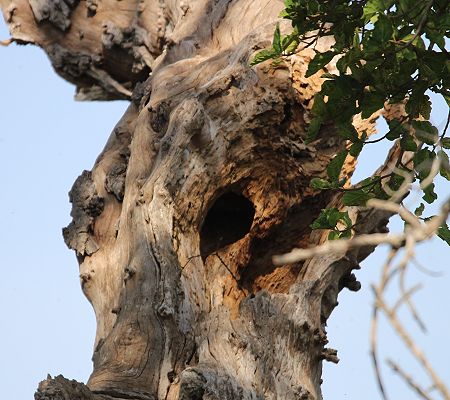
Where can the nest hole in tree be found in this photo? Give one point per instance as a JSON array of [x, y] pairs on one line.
[[229, 219]]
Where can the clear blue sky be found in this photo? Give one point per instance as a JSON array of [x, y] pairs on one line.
[[46, 140]]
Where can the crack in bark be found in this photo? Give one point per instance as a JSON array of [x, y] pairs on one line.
[[119, 395]]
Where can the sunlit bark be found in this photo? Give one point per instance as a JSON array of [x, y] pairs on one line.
[[203, 180]]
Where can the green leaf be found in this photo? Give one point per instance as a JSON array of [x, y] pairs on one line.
[[348, 131], [277, 40], [418, 104], [419, 210], [289, 43], [346, 220], [263, 55], [372, 8], [356, 39], [444, 168], [406, 54], [383, 30], [347, 234], [429, 195], [327, 75], [379, 192], [407, 143], [318, 183], [423, 160], [314, 128], [329, 218], [344, 63], [356, 148], [319, 105], [425, 132], [425, 108], [444, 233], [396, 181], [370, 103], [356, 198], [318, 62], [446, 98], [439, 40], [335, 166], [334, 235], [396, 129], [445, 143]]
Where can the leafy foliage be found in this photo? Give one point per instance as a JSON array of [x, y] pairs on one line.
[[390, 51], [337, 221], [444, 233]]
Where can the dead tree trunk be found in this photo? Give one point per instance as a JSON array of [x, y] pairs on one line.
[[203, 180]]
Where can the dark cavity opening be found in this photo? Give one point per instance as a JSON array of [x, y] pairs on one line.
[[228, 220]]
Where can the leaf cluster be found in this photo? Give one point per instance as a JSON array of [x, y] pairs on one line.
[[338, 222], [388, 51]]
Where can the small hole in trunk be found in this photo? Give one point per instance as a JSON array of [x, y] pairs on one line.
[[228, 220]]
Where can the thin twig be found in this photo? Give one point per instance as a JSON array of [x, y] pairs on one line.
[[6, 42], [399, 194], [386, 275], [425, 270], [377, 140], [406, 296], [409, 380], [388, 205], [420, 26], [338, 246], [412, 347], [188, 261], [411, 236], [445, 128], [232, 274], [435, 166]]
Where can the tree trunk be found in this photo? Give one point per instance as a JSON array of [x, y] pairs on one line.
[[204, 179]]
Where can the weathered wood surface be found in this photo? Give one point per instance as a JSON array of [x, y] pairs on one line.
[[203, 180]]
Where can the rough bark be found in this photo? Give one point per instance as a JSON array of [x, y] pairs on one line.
[[203, 180]]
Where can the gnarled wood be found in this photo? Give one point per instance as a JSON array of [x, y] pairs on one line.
[[204, 179]]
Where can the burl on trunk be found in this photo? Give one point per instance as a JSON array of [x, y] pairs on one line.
[[203, 180]]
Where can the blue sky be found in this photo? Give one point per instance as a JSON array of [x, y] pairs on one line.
[[46, 140]]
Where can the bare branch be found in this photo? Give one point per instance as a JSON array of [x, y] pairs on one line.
[[435, 166], [425, 270], [420, 232], [409, 380], [389, 205], [6, 42], [405, 187], [386, 276], [412, 347], [406, 296], [338, 246]]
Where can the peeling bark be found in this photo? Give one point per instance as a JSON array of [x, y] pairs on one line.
[[203, 180]]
